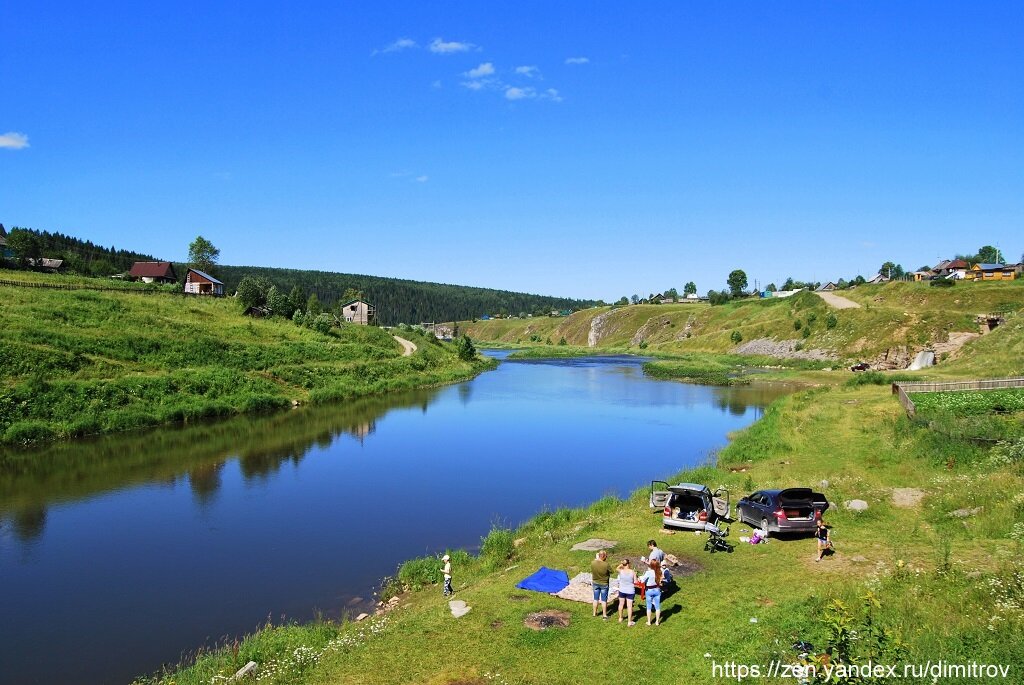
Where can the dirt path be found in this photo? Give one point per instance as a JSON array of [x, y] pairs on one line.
[[837, 301], [407, 347]]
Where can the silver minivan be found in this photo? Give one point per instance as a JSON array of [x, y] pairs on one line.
[[688, 505]]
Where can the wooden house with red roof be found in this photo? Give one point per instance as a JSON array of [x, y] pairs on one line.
[[154, 272]]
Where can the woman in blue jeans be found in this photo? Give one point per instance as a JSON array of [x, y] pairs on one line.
[[652, 588]]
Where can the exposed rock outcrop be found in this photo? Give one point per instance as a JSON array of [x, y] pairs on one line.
[[783, 349]]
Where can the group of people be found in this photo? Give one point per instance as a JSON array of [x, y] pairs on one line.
[[630, 584]]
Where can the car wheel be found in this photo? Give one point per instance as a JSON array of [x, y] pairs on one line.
[[764, 526]]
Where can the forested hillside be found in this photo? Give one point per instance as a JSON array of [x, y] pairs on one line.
[[403, 301], [397, 300]]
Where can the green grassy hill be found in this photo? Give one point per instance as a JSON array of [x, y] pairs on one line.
[[896, 315], [80, 362]]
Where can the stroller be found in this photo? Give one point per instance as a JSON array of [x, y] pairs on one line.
[[716, 541]]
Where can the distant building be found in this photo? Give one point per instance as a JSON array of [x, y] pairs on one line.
[[154, 272], [923, 275], [46, 264], [878, 278], [786, 293], [992, 272], [200, 283], [358, 312], [827, 287], [956, 268], [3, 238]]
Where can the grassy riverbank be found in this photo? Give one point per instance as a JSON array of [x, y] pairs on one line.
[[931, 570], [76, 363]]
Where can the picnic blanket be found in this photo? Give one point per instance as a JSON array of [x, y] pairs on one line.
[[581, 589], [545, 580]]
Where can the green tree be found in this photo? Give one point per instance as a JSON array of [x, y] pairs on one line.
[[789, 284], [25, 245], [203, 255], [891, 270], [718, 296], [772, 288], [988, 254], [252, 291], [672, 294], [279, 303], [635, 299], [313, 306], [737, 282], [297, 298], [690, 288], [465, 349], [623, 300]]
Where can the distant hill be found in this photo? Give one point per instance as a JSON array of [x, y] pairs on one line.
[[397, 300], [404, 301]]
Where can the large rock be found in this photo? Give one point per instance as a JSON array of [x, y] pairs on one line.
[[856, 505], [459, 608], [594, 545]]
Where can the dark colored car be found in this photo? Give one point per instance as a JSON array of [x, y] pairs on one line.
[[862, 366], [793, 510]]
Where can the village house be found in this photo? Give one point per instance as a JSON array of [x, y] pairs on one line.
[[955, 268], [3, 241], [46, 264], [992, 272], [878, 278], [200, 283], [154, 272], [358, 312], [826, 287], [923, 275]]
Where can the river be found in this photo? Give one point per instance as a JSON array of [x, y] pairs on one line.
[[126, 552]]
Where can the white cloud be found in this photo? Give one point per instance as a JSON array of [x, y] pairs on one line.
[[528, 70], [577, 60], [13, 140], [485, 69], [513, 93], [442, 47], [474, 85], [400, 44], [422, 179], [552, 94]]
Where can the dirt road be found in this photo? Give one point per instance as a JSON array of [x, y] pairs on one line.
[[407, 347], [837, 301]]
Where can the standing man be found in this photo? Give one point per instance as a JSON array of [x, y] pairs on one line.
[[447, 570], [655, 553], [601, 572]]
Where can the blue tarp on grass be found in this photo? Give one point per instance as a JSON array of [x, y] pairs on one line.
[[545, 580]]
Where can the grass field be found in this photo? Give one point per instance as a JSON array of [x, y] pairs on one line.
[[81, 362]]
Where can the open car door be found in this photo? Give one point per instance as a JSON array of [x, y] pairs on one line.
[[660, 494], [720, 501]]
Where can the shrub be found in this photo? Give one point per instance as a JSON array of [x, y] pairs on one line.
[[299, 318], [28, 432], [806, 333], [322, 323], [643, 344], [465, 349], [798, 324], [831, 320], [736, 337], [811, 318], [498, 546], [562, 341]]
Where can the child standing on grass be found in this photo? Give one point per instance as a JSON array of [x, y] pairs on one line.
[[821, 534], [447, 570]]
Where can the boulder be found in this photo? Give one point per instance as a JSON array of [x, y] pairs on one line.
[[856, 505], [459, 608], [594, 545]]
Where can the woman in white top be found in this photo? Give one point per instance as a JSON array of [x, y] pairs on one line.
[[652, 593], [627, 577]]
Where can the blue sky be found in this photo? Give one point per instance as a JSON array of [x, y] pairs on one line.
[[583, 149]]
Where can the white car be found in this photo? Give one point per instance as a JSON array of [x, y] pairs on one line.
[[689, 506]]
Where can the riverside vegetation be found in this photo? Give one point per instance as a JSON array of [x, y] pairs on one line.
[[931, 570], [76, 363]]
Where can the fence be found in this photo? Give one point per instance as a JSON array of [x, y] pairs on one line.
[[75, 286], [902, 390]]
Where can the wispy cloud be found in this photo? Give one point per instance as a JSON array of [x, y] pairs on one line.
[[514, 93], [485, 69], [531, 93], [447, 47], [528, 71], [577, 60], [398, 46], [13, 140], [422, 179], [436, 84]]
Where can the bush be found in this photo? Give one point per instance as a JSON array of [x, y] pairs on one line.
[[465, 349], [299, 318], [643, 344], [831, 320], [498, 546], [322, 323], [562, 341], [28, 432], [798, 324], [736, 337]]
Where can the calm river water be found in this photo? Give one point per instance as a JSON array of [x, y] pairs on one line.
[[120, 554]]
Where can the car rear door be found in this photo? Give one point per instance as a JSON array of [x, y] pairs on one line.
[[660, 494], [720, 501]]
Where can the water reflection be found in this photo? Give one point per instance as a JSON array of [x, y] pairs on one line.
[[31, 481]]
